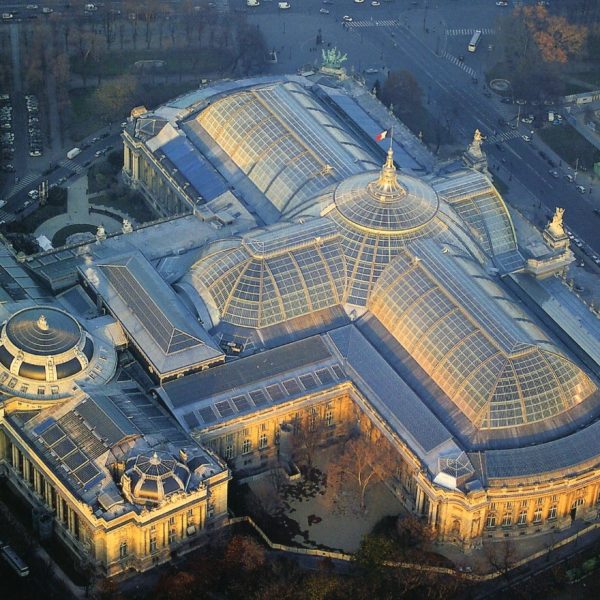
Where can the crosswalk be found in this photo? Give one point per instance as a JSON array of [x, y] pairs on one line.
[[382, 23], [71, 165], [23, 183], [466, 31], [6, 217], [459, 63], [503, 136]]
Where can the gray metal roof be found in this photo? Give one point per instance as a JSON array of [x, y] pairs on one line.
[[151, 313], [245, 371], [390, 395]]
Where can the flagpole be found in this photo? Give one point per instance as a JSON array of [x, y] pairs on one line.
[[391, 137]]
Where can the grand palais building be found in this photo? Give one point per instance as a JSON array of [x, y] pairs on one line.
[[299, 268]]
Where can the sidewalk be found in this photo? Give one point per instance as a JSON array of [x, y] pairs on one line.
[[78, 213]]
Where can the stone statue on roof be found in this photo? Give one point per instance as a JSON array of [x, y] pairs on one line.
[[556, 226], [477, 137]]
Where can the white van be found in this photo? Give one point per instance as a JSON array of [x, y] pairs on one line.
[[252, 3], [284, 5]]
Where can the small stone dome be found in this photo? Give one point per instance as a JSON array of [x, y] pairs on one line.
[[152, 477], [44, 344]]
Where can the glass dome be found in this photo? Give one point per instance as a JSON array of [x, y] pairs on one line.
[[388, 204], [273, 276]]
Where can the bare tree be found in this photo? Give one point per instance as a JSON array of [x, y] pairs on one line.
[[501, 556], [364, 461]]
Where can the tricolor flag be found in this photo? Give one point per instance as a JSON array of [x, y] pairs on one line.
[[381, 136]]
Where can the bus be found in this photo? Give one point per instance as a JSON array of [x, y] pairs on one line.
[[474, 41], [15, 562]]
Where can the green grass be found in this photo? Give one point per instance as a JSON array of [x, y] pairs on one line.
[[178, 60], [570, 145], [60, 237], [85, 118]]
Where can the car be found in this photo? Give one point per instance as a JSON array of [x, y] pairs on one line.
[[580, 189], [375, 3], [553, 173], [579, 288], [2, 203], [461, 58], [46, 10], [501, 3], [324, 11], [569, 178], [506, 100], [327, 1], [597, 213], [284, 5], [526, 138], [32, 7], [61, 180], [7, 16], [347, 19], [98, 153], [527, 120], [520, 101], [95, 139], [371, 70], [87, 163], [33, 193]]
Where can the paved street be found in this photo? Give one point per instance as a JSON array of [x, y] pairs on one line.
[[431, 43]]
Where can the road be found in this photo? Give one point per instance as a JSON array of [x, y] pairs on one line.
[[429, 43]]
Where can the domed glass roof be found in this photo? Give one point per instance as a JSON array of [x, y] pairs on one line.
[[43, 331], [276, 275], [153, 477], [494, 371], [387, 204]]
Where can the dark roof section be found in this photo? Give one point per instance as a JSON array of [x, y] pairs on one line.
[[388, 392], [55, 334], [263, 365], [109, 423]]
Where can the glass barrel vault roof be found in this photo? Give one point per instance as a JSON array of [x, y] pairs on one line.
[[485, 363]]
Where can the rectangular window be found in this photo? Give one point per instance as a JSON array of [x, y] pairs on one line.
[[491, 520], [152, 544], [522, 518], [263, 441], [228, 452], [493, 506], [171, 520], [539, 501], [537, 515], [552, 512], [263, 427], [507, 520], [555, 499], [329, 418], [246, 446], [172, 535], [123, 550], [524, 503]]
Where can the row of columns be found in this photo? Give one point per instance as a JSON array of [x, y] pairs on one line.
[[25, 469]]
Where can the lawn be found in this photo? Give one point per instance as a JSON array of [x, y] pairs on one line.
[[570, 145], [129, 202], [60, 237]]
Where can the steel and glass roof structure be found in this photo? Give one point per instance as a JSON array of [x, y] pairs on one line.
[[273, 276], [283, 140]]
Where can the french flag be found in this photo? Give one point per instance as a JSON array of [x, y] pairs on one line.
[[381, 136]]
